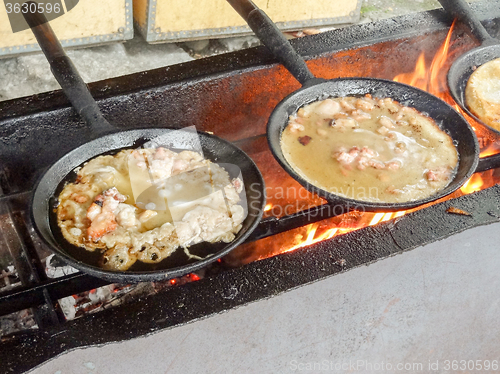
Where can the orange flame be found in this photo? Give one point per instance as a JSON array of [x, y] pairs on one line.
[[417, 78], [473, 184], [382, 217], [432, 80], [437, 81], [312, 229], [491, 150], [310, 239]]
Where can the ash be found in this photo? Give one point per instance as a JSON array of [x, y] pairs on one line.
[[56, 268], [30, 74], [19, 321], [100, 298], [16, 322], [9, 278]]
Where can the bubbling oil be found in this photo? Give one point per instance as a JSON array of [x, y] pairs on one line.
[[368, 149]]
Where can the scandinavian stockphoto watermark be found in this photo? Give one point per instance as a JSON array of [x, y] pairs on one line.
[[365, 366], [294, 200], [353, 366]]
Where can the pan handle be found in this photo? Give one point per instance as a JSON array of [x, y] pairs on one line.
[[67, 75], [267, 32], [488, 162], [461, 10]]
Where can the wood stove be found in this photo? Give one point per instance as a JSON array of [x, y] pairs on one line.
[[232, 96]]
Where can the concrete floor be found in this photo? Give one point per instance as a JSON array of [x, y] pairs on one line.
[[411, 313]]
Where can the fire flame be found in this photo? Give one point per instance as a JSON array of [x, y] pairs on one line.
[[432, 80], [417, 78], [312, 229], [473, 184], [491, 150]]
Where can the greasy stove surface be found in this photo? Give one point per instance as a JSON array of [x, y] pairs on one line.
[[231, 95]]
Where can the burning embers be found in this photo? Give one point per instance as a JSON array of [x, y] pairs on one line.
[[432, 79], [110, 295]]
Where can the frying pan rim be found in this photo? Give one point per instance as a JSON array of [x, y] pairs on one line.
[[454, 70], [348, 202], [150, 275]]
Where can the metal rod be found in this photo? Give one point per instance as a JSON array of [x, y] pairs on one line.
[[461, 10], [269, 34], [67, 75], [487, 163], [29, 267]]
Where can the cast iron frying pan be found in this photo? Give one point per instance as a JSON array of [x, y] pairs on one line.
[[107, 140], [464, 66], [314, 89]]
